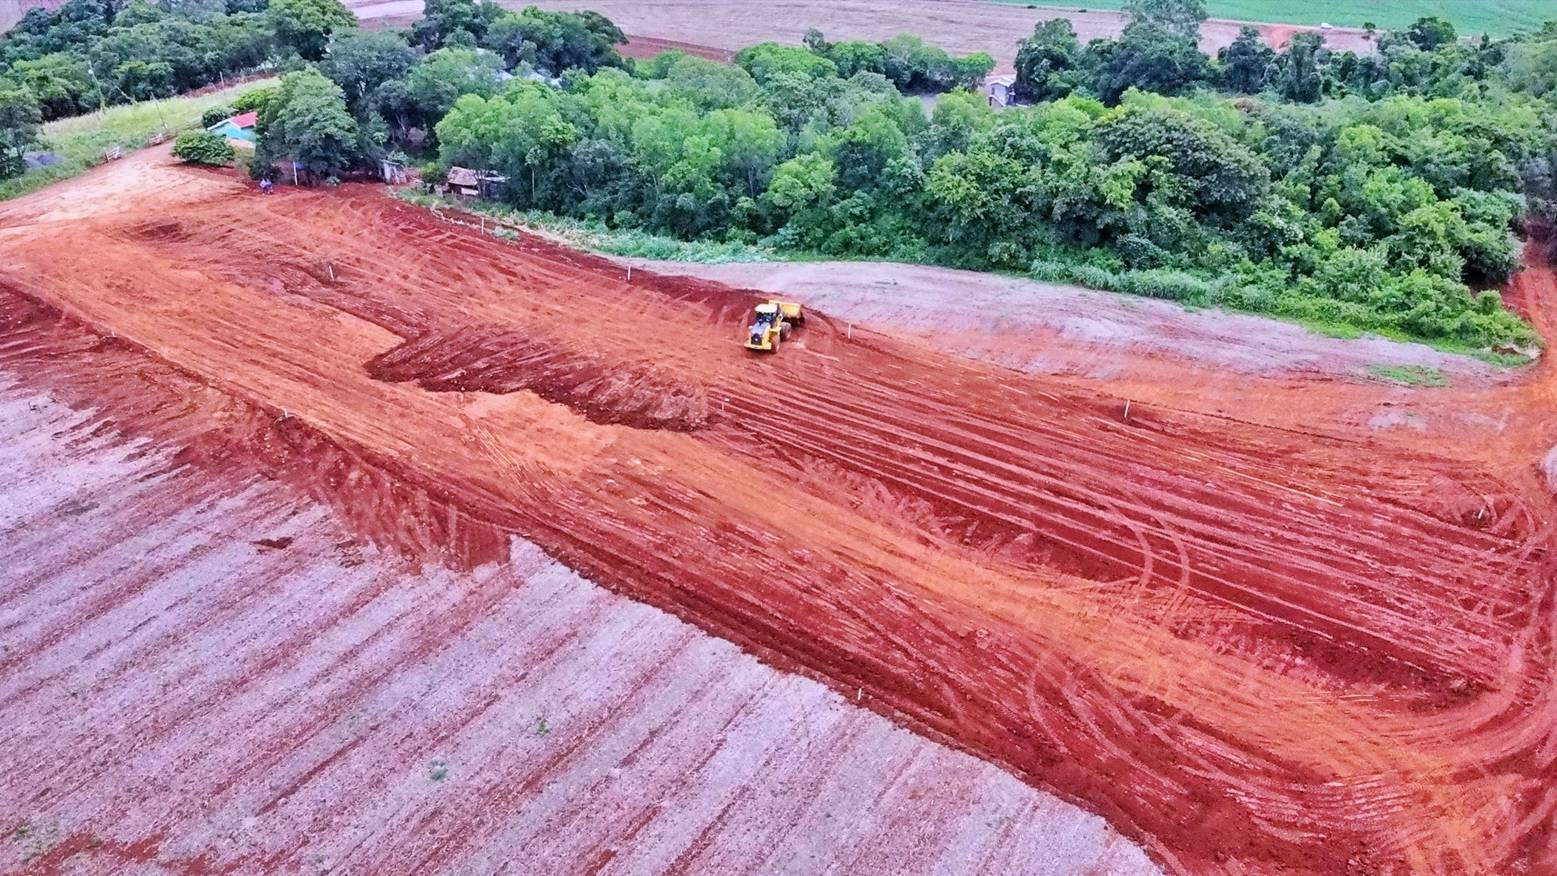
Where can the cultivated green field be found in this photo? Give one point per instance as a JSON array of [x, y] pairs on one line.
[[80, 141], [1497, 17]]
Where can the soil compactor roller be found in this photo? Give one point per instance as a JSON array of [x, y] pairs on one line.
[[771, 324]]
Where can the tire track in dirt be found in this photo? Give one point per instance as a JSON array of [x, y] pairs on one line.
[[1246, 646], [547, 276], [293, 731]]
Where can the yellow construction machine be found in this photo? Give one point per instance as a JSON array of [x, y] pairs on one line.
[[771, 324]]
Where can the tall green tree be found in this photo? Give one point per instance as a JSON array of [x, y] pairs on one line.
[[767, 60], [555, 42], [521, 133], [802, 182], [957, 117], [308, 123], [1150, 58], [1299, 75], [361, 61], [1046, 61], [434, 84], [452, 22], [305, 26], [59, 81], [986, 203], [1430, 33], [1218, 178], [750, 143], [508, 36], [1181, 18], [856, 56], [20, 121], [710, 85], [1246, 62], [863, 150]]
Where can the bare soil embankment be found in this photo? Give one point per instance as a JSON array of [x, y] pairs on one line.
[[204, 672], [1246, 645]]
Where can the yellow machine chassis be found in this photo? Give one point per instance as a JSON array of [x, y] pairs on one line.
[[788, 313]]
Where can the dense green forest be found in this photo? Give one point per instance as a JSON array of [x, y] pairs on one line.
[[1369, 192], [1373, 193], [89, 54]]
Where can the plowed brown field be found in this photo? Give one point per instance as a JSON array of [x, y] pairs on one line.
[[1253, 647], [960, 26]]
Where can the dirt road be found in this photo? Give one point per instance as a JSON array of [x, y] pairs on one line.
[[1246, 645], [961, 26]]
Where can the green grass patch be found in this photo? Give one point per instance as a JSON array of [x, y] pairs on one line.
[[1470, 17], [1350, 333], [1331, 329], [81, 141], [1503, 360], [1410, 375]]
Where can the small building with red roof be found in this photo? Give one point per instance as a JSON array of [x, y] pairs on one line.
[[239, 127]]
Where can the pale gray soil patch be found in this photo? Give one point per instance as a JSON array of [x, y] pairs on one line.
[[1068, 329], [1394, 418]]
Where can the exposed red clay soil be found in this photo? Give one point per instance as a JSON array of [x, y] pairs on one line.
[[182, 697], [1251, 647], [648, 47], [1137, 348], [605, 387]]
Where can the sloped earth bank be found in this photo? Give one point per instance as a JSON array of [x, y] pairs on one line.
[[1044, 328], [1251, 647], [203, 673], [1121, 344]]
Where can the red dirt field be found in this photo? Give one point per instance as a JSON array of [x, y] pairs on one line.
[[203, 673], [648, 47], [1251, 647]]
